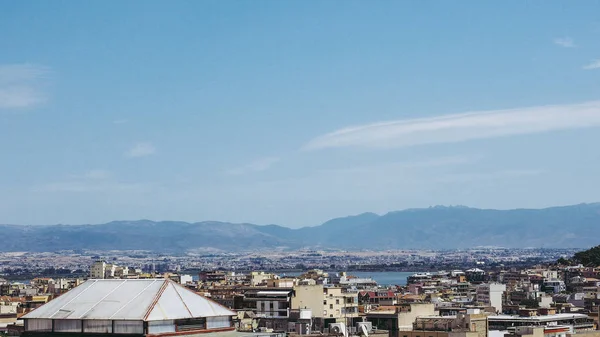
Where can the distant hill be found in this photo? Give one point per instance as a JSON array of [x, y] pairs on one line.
[[428, 228], [590, 257]]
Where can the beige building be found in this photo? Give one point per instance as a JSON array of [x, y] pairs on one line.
[[472, 324], [339, 305], [280, 283], [260, 278], [97, 270], [330, 303], [400, 317], [309, 297]]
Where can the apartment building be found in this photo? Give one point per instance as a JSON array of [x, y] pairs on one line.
[[339, 305], [473, 323], [269, 303], [491, 294], [400, 317]]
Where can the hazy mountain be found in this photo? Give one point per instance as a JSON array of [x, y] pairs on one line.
[[429, 228]]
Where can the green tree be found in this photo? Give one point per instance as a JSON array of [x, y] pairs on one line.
[[590, 257]]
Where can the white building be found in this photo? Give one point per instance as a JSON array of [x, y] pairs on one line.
[[139, 307], [554, 285], [491, 294]]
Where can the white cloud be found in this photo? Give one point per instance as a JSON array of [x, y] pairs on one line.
[[462, 127], [20, 85], [141, 150], [595, 64], [262, 164], [565, 42]]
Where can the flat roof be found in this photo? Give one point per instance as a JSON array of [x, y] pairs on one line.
[[545, 318]]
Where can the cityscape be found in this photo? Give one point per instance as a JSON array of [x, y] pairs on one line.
[[483, 292], [296, 168]]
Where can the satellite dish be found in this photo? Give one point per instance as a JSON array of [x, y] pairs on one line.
[[363, 329]]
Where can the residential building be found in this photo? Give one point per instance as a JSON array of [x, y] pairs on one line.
[[339, 304], [578, 322], [491, 294], [540, 331], [98, 269], [400, 317], [309, 297], [269, 303]]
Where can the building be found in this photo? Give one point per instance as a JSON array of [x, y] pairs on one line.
[[540, 331], [135, 307], [400, 317], [554, 286], [577, 322], [309, 297], [97, 270], [269, 303], [491, 294], [473, 323], [339, 305]]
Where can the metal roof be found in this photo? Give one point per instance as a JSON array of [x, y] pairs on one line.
[[146, 299]]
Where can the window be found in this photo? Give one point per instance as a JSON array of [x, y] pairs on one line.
[[324, 302], [331, 306], [337, 301]]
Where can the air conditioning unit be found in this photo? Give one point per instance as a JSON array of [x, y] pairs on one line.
[[302, 328], [367, 325], [338, 329]]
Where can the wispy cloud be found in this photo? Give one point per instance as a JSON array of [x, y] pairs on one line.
[[565, 42], [96, 180], [20, 85], [141, 149], [262, 164], [404, 166], [120, 121], [487, 176], [595, 64], [462, 127]]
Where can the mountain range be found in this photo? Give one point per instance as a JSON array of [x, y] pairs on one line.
[[436, 227]]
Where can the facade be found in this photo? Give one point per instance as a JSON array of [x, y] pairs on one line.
[[491, 294], [339, 305], [577, 322], [554, 286], [134, 307], [401, 317], [269, 303], [309, 297], [540, 331], [474, 323], [97, 270]]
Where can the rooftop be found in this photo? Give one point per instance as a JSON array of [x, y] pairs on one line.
[[129, 299]]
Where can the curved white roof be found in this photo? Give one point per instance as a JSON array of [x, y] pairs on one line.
[[146, 299]]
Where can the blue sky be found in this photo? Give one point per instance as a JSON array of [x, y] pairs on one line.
[[294, 112]]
